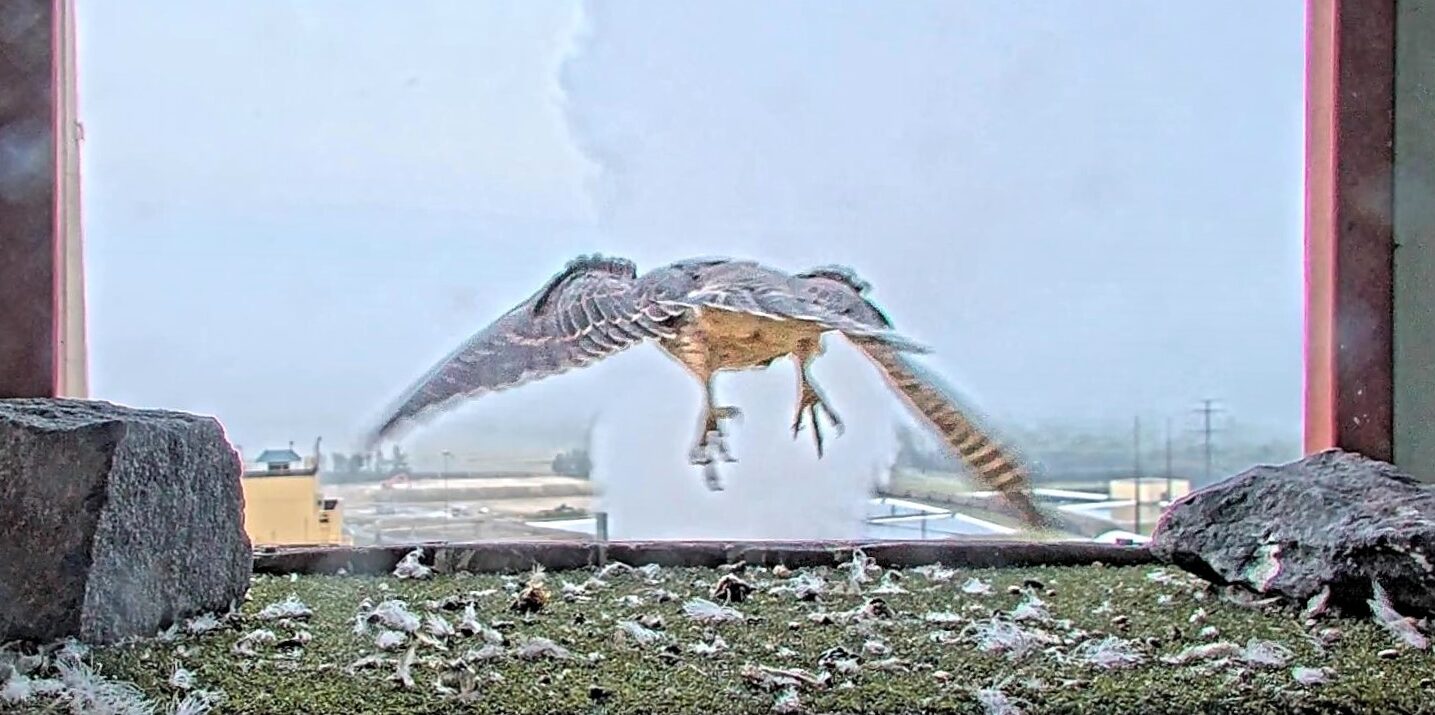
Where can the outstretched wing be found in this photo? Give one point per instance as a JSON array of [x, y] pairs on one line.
[[587, 312]]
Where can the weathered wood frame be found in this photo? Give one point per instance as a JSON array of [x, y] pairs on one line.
[[42, 333], [1349, 227]]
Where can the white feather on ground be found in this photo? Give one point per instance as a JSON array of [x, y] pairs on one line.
[[976, 587], [410, 568], [1311, 676], [1110, 653], [1403, 627], [705, 611], [395, 614], [290, 607], [996, 702], [390, 640]]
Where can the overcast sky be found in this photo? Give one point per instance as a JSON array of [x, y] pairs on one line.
[[1090, 210]]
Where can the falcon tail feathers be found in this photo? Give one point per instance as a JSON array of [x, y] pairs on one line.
[[937, 406]]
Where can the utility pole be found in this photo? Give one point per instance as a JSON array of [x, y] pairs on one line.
[[447, 509], [1136, 468], [1206, 410], [1169, 474]]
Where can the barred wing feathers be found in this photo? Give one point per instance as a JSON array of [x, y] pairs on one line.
[[583, 315], [938, 407]]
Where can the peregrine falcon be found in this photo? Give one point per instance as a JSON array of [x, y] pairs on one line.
[[710, 315]]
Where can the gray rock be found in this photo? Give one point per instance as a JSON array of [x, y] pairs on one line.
[[1333, 519], [115, 522]]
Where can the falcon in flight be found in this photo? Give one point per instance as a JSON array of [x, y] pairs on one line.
[[710, 315]]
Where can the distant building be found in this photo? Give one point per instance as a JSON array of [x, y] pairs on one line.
[[279, 460], [283, 504], [1155, 494], [1153, 489]]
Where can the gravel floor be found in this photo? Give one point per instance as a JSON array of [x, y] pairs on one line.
[[851, 639]]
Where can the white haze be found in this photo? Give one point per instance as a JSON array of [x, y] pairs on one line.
[[777, 488]]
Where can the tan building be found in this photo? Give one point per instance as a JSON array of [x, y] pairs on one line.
[[283, 503], [1153, 489]]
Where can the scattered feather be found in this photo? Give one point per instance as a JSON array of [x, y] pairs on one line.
[[996, 702], [368, 661], [779, 678], [1316, 605], [1000, 636], [88, 692], [808, 587], [1205, 651], [488, 652], [438, 626], [17, 688], [290, 607], [390, 640], [537, 648], [787, 702], [199, 702], [705, 611], [403, 672], [858, 569], [1403, 627], [1266, 654], [181, 678], [248, 644], [638, 633], [1110, 653], [888, 585], [976, 587], [1031, 608], [203, 623], [1311, 676], [614, 569], [395, 615], [936, 573], [410, 568], [171, 634], [71, 649], [717, 645]]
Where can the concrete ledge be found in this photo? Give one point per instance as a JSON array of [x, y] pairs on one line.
[[511, 556]]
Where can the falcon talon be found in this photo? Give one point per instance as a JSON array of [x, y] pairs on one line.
[[710, 477], [711, 315], [699, 455], [727, 412]]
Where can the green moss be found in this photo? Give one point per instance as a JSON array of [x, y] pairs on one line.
[[645, 679]]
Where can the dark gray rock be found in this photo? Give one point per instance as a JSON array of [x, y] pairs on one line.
[[115, 522], [1333, 519]]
